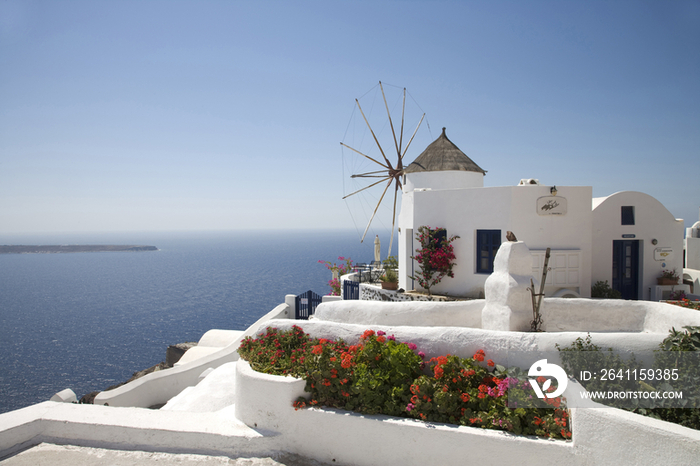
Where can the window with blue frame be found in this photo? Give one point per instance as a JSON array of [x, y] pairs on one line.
[[487, 244]]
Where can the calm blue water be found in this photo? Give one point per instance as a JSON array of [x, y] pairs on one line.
[[86, 321]]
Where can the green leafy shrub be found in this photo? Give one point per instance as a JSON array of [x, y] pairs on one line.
[[583, 355], [382, 376], [391, 262], [672, 354], [603, 290]]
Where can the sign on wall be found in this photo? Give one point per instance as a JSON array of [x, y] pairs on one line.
[[551, 205], [663, 254]]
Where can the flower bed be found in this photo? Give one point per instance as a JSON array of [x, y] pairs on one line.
[[382, 376], [686, 303]]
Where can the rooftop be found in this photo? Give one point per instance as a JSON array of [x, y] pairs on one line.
[[443, 155]]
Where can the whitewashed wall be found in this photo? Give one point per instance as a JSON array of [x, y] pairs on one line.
[[514, 208], [448, 179]]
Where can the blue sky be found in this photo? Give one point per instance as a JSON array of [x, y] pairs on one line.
[[121, 115]]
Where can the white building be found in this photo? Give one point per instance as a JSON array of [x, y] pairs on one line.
[[691, 272], [635, 238], [692, 247], [445, 188]]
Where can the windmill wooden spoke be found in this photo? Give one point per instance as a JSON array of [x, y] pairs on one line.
[[391, 123], [414, 135], [403, 112], [370, 175], [373, 135], [367, 187], [364, 155], [375, 209], [393, 216]]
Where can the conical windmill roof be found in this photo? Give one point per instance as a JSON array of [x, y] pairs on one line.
[[443, 155]]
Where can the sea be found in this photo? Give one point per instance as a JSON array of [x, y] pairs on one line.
[[87, 321]]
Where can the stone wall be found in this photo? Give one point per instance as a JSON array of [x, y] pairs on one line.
[[371, 292]]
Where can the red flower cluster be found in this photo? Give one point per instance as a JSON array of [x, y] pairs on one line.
[[299, 404], [346, 360], [439, 362]]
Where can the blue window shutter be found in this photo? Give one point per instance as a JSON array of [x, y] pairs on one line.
[[487, 244]]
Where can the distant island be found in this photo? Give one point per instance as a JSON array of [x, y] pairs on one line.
[[22, 249]]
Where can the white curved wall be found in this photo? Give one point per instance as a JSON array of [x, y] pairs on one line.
[[508, 348], [219, 338], [410, 313]]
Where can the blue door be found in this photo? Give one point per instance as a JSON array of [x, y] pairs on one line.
[[625, 276]]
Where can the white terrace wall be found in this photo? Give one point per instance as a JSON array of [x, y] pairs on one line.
[[464, 211], [131, 429], [600, 435], [652, 221], [560, 316]]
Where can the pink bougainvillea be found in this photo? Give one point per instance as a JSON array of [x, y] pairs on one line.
[[435, 257]]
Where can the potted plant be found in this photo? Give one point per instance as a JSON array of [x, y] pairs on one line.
[[668, 277], [390, 279]]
